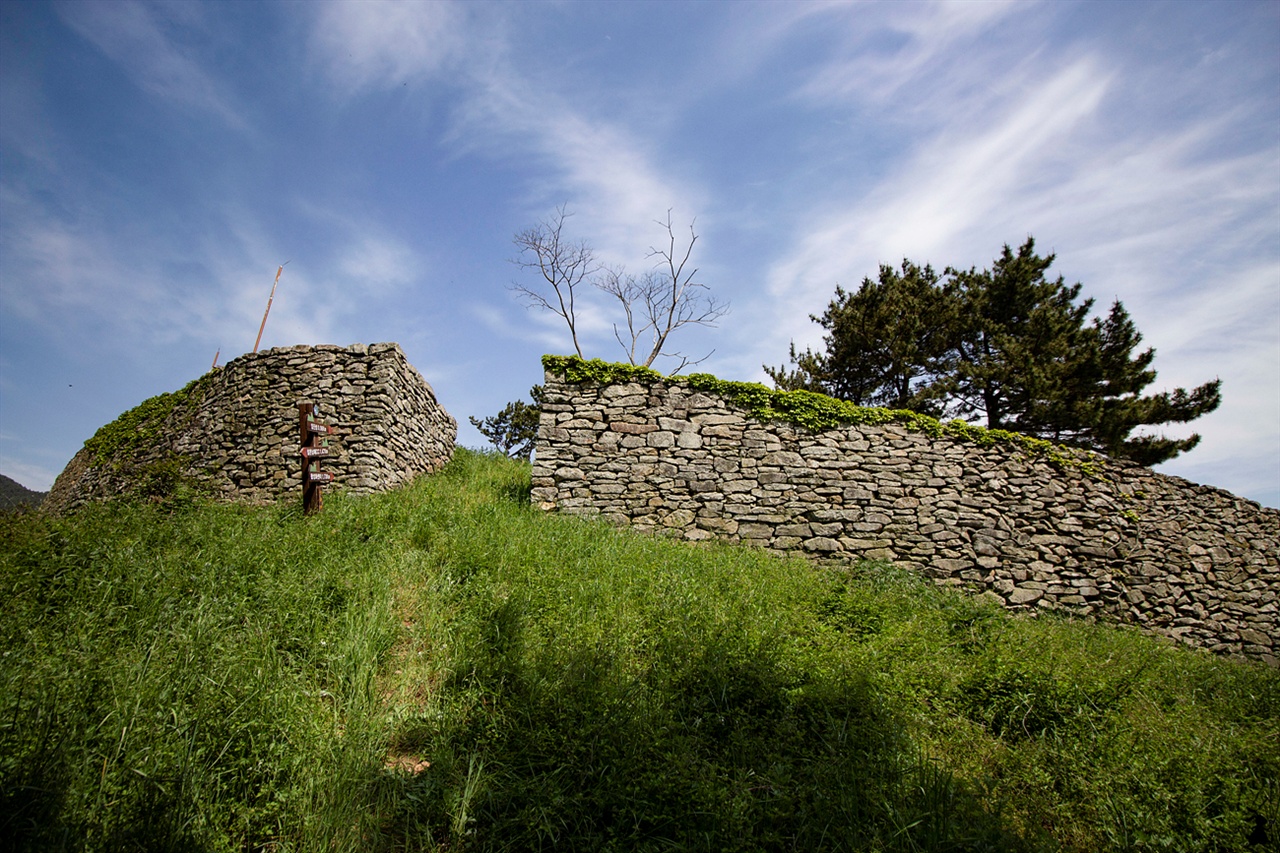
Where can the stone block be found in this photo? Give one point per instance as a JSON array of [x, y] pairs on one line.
[[755, 531], [661, 440], [1022, 596], [1256, 638], [679, 518], [689, 440], [632, 429]]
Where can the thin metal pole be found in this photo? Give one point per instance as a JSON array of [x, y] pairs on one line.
[[279, 270]]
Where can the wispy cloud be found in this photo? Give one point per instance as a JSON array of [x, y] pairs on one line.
[[377, 263], [26, 126], [953, 183], [381, 44], [71, 269], [334, 288], [95, 290], [909, 56], [101, 281], [34, 477], [545, 330], [1131, 207], [397, 144], [153, 45], [602, 169], [609, 172]]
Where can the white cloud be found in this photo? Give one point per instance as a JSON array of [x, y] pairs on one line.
[[332, 292], [381, 43], [911, 56], [26, 125], [593, 322], [545, 330], [61, 269], [144, 42], [377, 262], [1176, 214], [951, 184], [100, 281], [602, 170]]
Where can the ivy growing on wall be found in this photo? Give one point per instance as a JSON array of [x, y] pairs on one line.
[[813, 411], [144, 424]]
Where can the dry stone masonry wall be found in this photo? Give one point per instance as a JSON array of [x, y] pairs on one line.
[[1078, 534], [236, 430]]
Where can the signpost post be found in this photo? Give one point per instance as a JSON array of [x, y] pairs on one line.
[[312, 477]]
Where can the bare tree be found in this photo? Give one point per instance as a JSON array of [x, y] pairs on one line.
[[563, 264], [654, 304], [673, 299], [630, 292]]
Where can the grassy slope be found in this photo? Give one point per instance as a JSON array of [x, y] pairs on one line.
[[445, 668]]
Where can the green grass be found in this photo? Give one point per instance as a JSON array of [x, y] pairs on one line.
[[445, 668]]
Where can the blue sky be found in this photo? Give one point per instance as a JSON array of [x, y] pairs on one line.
[[158, 161]]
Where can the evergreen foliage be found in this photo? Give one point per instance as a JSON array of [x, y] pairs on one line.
[[1006, 344], [885, 346], [513, 430]]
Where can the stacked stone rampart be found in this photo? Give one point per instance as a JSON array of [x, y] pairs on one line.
[[1067, 532], [236, 430]]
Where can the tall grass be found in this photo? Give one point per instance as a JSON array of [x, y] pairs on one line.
[[174, 681], [444, 668]]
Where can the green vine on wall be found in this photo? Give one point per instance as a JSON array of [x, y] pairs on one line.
[[577, 370], [145, 424], [816, 412]]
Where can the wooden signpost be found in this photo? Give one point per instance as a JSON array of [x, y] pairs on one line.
[[312, 477]]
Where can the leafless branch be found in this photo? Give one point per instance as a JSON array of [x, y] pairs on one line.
[[672, 298], [685, 361], [630, 292], [561, 263], [654, 304]]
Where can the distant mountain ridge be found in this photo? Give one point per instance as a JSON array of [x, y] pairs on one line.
[[13, 494]]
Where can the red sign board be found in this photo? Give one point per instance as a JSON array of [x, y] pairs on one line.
[[312, 452], [320, 477]]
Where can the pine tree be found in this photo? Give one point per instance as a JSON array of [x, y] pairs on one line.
[[885, 346], [513, 430], [1008, 345], [1108, 397], [1018, 339]]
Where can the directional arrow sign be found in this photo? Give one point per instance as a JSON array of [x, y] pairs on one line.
[[323, 429], [320, 477], [312, 452]]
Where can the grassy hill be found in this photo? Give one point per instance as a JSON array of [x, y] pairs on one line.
[[445, 668]]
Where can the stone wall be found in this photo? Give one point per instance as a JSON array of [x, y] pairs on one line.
[[1079, 534], [235, 431]]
